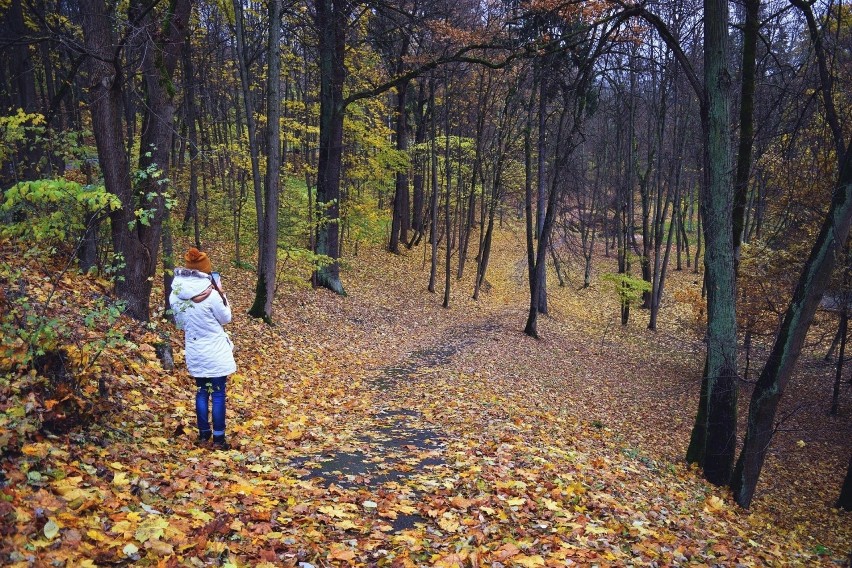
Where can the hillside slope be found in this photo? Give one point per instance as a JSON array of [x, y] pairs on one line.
[[382, 429]]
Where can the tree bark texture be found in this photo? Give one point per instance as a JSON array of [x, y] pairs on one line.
[[191, 213], [331, 19], [720, 431], [135, 240]]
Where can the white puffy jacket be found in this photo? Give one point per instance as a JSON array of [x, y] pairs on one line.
[[209, 351]]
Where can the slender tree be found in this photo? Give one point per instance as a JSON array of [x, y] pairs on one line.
[[268, 252]]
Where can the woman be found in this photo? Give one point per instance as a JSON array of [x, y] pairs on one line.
[[201, 309]]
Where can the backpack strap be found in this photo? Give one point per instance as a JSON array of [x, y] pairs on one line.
[[203, 295]]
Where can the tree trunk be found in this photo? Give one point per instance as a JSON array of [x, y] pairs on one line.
[[191, 213], [23, 74], [87, 253], [805, 301], [838, 375], [433, 201], [751, 30], [251, 123], [714, 442], [788, 343], [268, 253], [539, 266], [447, 217], [541, 285], [660, 271], [401, 219], [528, 214], [331, 19], [135, 239], [845, 500], [419, 165]]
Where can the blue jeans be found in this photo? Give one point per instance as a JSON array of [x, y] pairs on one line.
[[210, 388]]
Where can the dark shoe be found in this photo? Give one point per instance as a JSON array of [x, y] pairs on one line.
[[203, 438], [219, 443]]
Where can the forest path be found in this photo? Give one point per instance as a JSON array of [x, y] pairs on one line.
[[396, 445]]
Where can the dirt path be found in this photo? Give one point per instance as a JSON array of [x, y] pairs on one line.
[[397, 447]]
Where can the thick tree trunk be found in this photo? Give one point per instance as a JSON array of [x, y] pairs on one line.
[[135, 239], [23, 75], [161, 53], [331, 19], [713, 441]]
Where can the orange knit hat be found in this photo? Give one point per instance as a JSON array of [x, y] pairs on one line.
[[197, 260]]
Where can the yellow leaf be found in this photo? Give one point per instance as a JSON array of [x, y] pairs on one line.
[[346, 525], [200, 515], [334, 511], [151, 529], [295, 435], [96, 535], [528, 561], [713, 504], [120, 479], [36, 450], [448, 524], [340, 552]]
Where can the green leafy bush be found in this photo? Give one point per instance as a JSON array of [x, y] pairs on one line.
[[52, 213], [628, 288]]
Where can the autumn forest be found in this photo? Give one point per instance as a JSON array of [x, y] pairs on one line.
[[532, 283]]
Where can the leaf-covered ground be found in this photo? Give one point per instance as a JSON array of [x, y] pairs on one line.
[[381, 429]]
